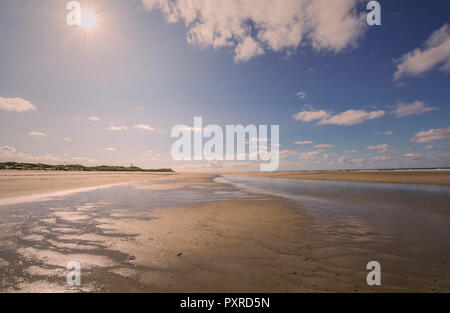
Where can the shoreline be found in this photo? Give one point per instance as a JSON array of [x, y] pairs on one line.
[[424, 177]]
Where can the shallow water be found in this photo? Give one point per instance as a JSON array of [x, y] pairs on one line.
[[429, 204], [408, 222], [330, 193]]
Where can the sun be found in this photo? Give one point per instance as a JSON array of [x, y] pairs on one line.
[[88, 19]]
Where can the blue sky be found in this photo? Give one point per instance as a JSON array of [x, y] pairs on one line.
[[313, 67]]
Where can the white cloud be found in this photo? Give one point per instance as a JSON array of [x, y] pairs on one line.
[[306, 142], [117, 128], [7, 149], [146, 127], [352, 117], [94, 118], [16, 105], [252, 27], [383, 147], [111, 149], [301, 94], [247, 49], [37, 134], [309, 116], [310, 155], [386, 133], [323, 146], [349, 162], [434, 54], [379, 158], [437, 148], [10, 154], [413, 156], [67, 139], [432, 135], [415, 108], [335, 25], [284, 154]]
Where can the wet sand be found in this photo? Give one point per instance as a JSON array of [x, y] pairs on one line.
[[27, 183], [256, 243], [431, 177]]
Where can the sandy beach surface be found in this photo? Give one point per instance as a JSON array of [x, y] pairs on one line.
[[432, 177], [189, 233], [27, 183]]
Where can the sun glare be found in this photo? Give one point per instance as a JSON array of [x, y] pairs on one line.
[[88, 19]]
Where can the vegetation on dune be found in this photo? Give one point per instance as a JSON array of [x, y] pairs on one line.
[[76, 167]]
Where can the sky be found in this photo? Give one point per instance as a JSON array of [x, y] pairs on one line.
[[345, 95]]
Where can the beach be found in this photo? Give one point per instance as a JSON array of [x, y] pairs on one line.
[[185, 232]]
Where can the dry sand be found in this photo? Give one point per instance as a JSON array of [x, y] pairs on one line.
[[432, 177]]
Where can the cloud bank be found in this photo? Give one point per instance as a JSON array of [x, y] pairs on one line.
[[250, 28]]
